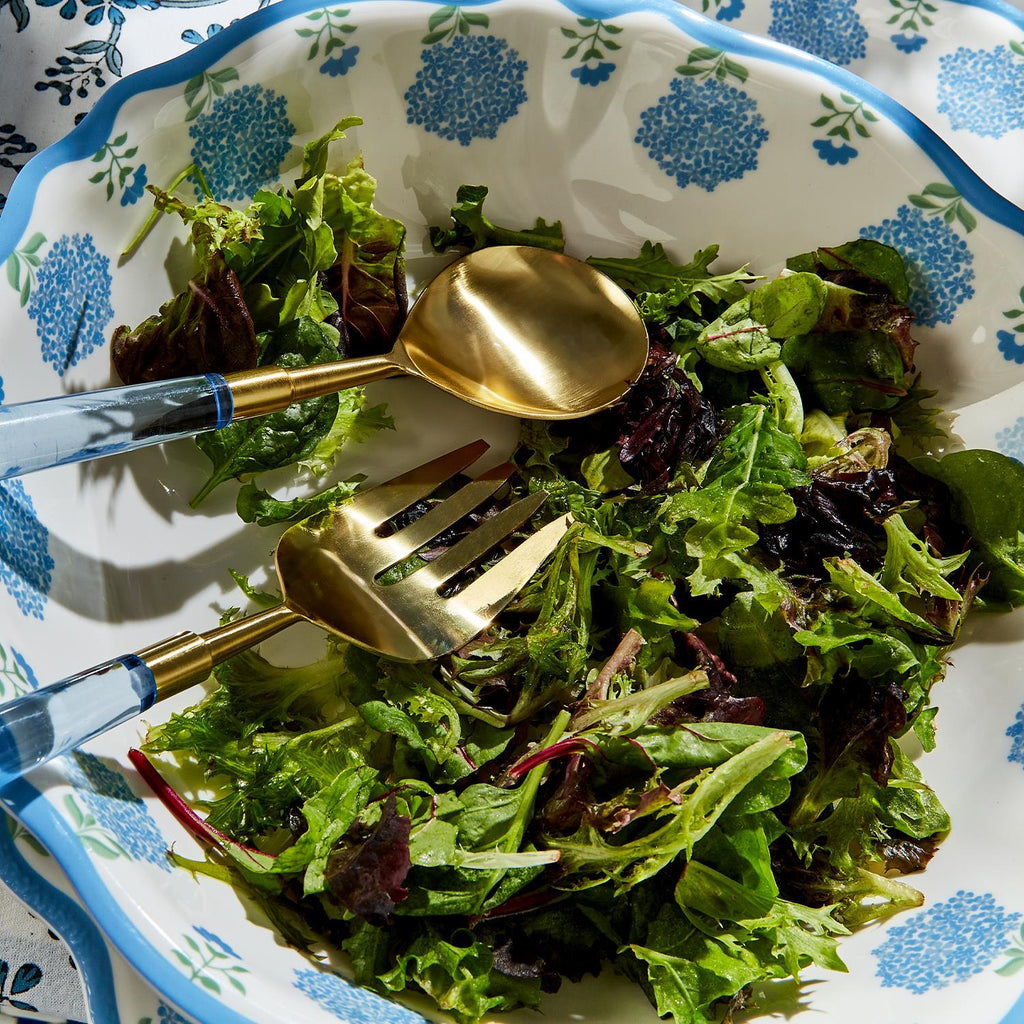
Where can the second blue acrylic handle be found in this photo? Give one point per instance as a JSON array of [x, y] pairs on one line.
[[43, 723], [90, 424]]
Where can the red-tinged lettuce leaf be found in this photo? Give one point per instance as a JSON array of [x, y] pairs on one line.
[[204, 329], [326, 817], [367, 877], [856, 719], [715, 703], [749, 334], [835, 515], [367, 279], [863, 264], [662, 422], [680, 818]]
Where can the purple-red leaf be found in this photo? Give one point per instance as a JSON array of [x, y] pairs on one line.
[[368, 877]]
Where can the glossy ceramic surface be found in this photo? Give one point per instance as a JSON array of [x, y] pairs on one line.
[[677, 130]]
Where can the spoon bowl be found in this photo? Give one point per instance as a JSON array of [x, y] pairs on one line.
[[527, 332]]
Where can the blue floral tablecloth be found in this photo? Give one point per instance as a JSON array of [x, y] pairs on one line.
[[58, 56]]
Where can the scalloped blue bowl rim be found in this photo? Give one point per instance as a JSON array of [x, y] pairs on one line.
[[24, 799]]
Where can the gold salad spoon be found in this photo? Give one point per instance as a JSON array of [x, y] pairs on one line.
[[512, 329]]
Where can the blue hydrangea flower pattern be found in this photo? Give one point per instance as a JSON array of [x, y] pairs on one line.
[[135, 188], [70, 302], [1010, 440], [833, 31], [729, 10], [26, 566], [1014, 447], [703, 132], [467, 89], [593, 74], [349, 1003], [590, 42], [947, 943], [241, 141], [342, 64], [330, 34], [939, 262], [116, 808], [980, 90]]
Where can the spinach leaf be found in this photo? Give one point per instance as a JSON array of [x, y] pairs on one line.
[[988, 498], [847, 371], [281, 438], [255, 505]]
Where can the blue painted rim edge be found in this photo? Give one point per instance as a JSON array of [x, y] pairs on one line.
[[94, 129], [75, 926], [43, 819]]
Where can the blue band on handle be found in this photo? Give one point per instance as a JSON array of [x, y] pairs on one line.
[[223, 397], [143, 682]]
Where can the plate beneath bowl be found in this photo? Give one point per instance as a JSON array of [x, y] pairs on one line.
[[959, 66]]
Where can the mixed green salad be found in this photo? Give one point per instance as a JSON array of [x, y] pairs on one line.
[[681, 752]]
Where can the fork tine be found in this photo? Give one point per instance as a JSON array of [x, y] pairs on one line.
[[444, 514], [477, 543], [489, 593], [378, 504]]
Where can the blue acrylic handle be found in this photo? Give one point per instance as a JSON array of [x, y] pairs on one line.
[[44, 723], [91, 424]]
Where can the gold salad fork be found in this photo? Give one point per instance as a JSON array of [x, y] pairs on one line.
[[329, 567]]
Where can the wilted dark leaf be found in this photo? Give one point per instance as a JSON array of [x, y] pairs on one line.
[[663, 420]]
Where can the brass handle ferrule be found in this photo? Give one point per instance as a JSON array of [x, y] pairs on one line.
[[272, 388], [260, 391], [188, 658], [178, 662]]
